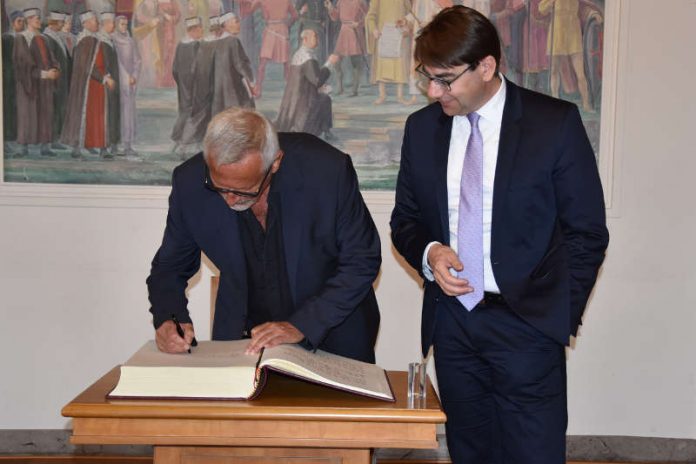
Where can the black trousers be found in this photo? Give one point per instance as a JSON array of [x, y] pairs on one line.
[[502, 384]]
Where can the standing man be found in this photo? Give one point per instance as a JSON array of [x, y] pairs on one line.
[[9, 108], [86, 118], [499, 207], [36, 73], [54, 40], [183, 71], [351, 38], [283, 220], [279, 16], [233, 78], [113, 95], [389, 43], [129, 64], [201, 94]]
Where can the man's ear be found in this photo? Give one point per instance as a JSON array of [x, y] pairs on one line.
[[276, 161], [488, 66]]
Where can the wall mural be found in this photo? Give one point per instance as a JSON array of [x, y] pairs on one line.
[[123, 95]]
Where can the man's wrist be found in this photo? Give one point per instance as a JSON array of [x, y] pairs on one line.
[[427, 270]]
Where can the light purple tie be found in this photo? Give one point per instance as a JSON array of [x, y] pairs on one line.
[[470, 227]]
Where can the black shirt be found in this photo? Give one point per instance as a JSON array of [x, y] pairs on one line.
[[269, 297]]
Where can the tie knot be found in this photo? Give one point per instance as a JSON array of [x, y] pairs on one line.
[[473, 118]]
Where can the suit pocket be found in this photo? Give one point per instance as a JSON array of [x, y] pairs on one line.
[[548, 262]]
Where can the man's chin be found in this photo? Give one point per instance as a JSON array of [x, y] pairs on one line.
[[239, 208]]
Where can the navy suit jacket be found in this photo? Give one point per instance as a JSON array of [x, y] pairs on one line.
[[332, 249], [548, 234]]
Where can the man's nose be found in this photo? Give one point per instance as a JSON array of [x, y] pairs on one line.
[[435, 90], [231, 199]]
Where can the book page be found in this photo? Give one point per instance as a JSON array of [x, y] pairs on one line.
[[206, 354], [330, 369]]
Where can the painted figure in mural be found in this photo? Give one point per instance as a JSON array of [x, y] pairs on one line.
[[503, 294], [282, 218], [129, 65], [422, 11], [155, 28], [145, 31], [67, 36], [233, 78], [183, 73], [113, 94], [213, 28], [565, 41], [314, 15], [305, 106], [9, 107], [508, 17], [36, 73], [279, 15], [535, 37], [389, 43], [170, 13], [56, 21], [351, 38], [247, 33], [201, 93], [86, 117]]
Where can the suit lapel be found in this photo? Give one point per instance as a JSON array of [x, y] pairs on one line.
[[510, 133], [289, 185], [441, 154]]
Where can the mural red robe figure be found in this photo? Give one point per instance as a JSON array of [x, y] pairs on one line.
[[279, 15], [86, 120]]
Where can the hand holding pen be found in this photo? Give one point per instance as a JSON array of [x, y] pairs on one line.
[[180, 331]]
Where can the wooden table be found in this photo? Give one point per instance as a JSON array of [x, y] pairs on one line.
[[291, 422]]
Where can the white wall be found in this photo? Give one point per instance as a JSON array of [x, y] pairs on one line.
[[73, 263]]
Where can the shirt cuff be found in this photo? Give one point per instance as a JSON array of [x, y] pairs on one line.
[[427, 270]]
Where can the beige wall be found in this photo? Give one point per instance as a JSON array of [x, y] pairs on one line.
[[73, 263]]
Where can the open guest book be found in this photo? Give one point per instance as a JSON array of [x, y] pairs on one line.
[[221, 370]]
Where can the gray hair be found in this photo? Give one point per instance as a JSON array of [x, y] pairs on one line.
[[235, 132]]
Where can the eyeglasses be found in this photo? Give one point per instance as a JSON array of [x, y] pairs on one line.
[[211, 186], [445, 84]]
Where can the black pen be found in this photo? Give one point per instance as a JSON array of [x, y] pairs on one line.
[[180, 331]]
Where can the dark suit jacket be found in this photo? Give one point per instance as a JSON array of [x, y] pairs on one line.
[[332, 249], [548, 229]]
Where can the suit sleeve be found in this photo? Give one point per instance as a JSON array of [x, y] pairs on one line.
[[581, 212], [408, 231], [357, 264], [176, 261]]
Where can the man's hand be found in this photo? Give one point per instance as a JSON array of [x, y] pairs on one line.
[[110, 83], [273, 334], [53, 74], [442, 259], [169, 341]]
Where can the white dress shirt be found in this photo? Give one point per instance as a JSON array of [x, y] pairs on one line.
[[491, 116]]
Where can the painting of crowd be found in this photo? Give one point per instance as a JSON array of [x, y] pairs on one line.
[[72, 69]]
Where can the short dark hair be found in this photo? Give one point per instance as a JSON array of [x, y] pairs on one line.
[[456, 36]]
